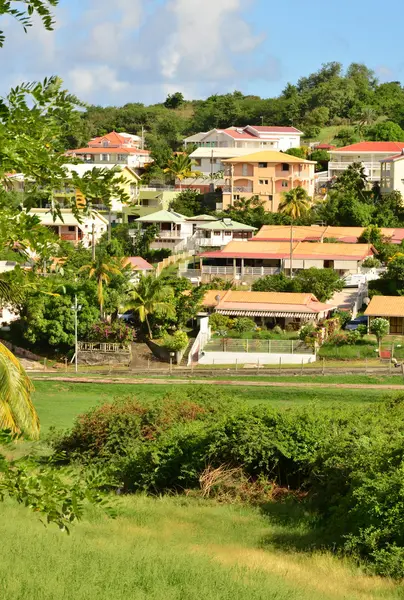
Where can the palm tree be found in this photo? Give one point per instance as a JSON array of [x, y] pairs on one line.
[[101, 269], [151, 297], [180, 167], [295, 203]]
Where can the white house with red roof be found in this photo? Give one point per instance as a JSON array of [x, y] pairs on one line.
[[114, 149], [369, 154], [392, 174]]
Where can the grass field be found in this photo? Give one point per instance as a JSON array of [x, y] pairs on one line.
[[177, 548], [59, 403]]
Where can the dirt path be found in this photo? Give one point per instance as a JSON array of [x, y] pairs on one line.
[[348, 386]]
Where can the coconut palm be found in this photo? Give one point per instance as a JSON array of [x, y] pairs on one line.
[[180, 167], [151, 297], [295, 203], [102, 269]]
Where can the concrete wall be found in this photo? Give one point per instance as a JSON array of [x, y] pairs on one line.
[[253, 358]]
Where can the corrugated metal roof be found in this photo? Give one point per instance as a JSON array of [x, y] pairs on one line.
[[270, 156], [162, 216], [301, 250]]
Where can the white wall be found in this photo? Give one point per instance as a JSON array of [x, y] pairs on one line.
[[252, 358]]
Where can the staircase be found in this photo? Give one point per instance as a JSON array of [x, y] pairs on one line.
[[184, 360]]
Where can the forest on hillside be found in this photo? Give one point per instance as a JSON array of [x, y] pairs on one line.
[[352, 100]]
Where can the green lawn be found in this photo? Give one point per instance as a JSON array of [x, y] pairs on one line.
[[176, 549], [59, 403]]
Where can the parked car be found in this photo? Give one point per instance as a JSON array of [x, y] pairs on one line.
[[354, 324]]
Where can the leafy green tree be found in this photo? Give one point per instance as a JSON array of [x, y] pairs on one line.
[[346, 136], [188, 203], [152, 296], [299, 152], [174, 100], [323, 283], [387, 131], [273, 283], [380, 328], [295, 203]]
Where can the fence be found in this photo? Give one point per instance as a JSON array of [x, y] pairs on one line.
[[261, 346], [199, 344], [172, 260], [103, 347]]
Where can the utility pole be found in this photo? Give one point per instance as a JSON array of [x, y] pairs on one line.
[[291, 250], [142, 146], [76, 308], [93, 242], [109, 224], [262, 120]]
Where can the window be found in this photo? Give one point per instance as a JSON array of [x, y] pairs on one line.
[[261, 181], [105, 144], [266, 181], [71, 228], [227, 233], [121, 157], [270, 198], [262, 165], [285, 184], [285, 167], [213, 161], [244, 170], [105, 157], [198, 162], [236, 196]]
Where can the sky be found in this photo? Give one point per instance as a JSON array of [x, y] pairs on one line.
[[110, 52]]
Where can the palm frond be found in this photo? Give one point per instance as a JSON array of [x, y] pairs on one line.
[[17, 411]]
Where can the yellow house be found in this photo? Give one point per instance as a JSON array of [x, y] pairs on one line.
[[392, 174], [268, 175]]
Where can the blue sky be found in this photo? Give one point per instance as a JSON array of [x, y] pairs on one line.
[[118, 51]]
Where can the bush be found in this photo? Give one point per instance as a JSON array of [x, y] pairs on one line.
[[176, 342], [277, 330], [115, 332], [379, 327], [220, 322], [362, 330], [371, 263], [353, 336], [244, 325], [343, 316], [307, 332]]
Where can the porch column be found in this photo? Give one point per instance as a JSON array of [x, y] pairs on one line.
[[234, 267], [60, 231], [242, 267]]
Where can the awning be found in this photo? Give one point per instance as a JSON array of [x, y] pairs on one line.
[[265, 313]]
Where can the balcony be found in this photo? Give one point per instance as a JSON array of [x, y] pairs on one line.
[[238, 189], [247, 271], [168, 235], [372, 169]]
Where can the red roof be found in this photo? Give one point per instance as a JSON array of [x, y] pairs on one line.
[[274, 129], [113, 138], [240, 134], [392, 147], [138, 263], [324, 147]]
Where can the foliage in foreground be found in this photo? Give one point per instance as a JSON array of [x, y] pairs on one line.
[[349, 462]]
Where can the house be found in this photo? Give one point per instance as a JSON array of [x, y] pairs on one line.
[[251, 137], [390, 308], [149, 200], [247, 261], [114, 149], [268, 175], [392, 174], [321, 233], [268, 308], [138, 265], [369, 154], [178, 232], [68, 227]]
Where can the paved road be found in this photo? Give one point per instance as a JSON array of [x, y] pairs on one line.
[[348, 386]]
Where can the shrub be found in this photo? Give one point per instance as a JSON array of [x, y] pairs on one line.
[[307, 332], [220, 322], [116, 332], [277, 330], [353, 337], [337, 339], [362, 330], [344, 317], [244, 325], [176, 342], [371, 262]]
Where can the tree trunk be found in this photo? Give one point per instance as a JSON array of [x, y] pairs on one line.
[[148, 327]]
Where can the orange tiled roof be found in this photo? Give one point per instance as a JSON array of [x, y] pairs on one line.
[[264, 301], [386, 306]]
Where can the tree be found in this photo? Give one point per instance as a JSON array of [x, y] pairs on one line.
[[24, 14], [273, 283], [379, 327], [174, 100], [188, 203], [17, 412], [152, 296], [180, 167], [346, 136], [299, 152], [323, 283], [295, 203], [388, 131], [101, 270]]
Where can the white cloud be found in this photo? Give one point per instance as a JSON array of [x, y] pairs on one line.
[[129, 50]]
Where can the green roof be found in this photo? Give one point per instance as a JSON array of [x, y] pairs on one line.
[[162, 216], [202, 218], [226, 225]]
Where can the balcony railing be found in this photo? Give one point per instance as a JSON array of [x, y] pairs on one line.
[[164, 235], [250, 271], [237, 189], [371, 166]]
